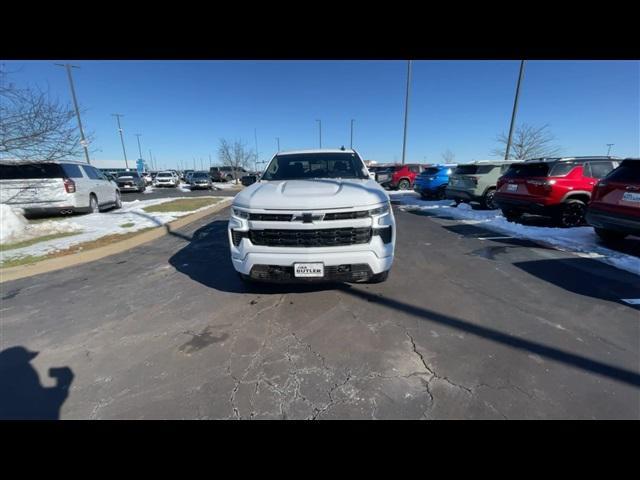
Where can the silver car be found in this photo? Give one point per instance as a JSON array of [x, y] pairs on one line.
[[200, 180]]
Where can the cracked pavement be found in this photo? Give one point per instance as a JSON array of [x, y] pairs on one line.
[[168, 331]]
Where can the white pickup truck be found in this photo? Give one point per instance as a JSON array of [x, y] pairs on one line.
[[315, 215]]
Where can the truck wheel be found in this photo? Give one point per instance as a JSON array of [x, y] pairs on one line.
[[571, 213], [404, 184], [610, 235], [379, 277], [245, 278], [487, 200], [511, 215]]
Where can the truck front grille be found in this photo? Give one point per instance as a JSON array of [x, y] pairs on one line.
[[327, 237], [338, 273]]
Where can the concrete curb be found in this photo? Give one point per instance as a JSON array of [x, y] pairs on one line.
[[52, 264]]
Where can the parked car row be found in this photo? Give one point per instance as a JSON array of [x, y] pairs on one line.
[[560, 188]]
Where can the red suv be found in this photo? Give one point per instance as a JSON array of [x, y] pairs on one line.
[[556, 187], [614, 210], [403, 176]]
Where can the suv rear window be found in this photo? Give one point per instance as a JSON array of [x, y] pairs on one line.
[[528, 170], [474, 169], [430, 171], [562, 168], [29, 171], [71, 170], [629, 172]]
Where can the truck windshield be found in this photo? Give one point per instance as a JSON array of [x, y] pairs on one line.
[[315, 165]]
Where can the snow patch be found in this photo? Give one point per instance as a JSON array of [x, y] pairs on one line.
[[15, 228], [93, 226], [582, 241]]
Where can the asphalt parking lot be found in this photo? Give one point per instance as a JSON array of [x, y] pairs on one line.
[[469, 325]]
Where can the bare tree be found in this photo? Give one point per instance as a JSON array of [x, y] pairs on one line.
[[448, 156], [235, 155], [33, 126], [528, 142]]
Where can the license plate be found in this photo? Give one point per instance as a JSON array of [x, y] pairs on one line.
[[512, 187], [631, 197], [308, 270]]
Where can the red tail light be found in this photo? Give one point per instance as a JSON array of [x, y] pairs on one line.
[[69, 185]]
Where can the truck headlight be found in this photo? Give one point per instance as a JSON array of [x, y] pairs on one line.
[[240, 213], [379, 211]]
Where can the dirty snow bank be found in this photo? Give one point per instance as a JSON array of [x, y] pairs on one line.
[[98, 225], [581, 240], [15, 228]]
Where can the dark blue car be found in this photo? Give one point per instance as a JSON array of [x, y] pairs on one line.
[[431, 183]]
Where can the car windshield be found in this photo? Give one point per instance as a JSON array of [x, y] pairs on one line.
[[315, 165], [165, 175], [628, 171], [199, 175], [128, 174]]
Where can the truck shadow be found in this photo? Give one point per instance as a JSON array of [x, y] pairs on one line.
[[206, 260]]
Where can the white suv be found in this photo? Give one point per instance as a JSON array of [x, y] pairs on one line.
[[166, 179], [56, 187], [315, 215]]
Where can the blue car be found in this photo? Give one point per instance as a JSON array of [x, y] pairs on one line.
[[431, 183]]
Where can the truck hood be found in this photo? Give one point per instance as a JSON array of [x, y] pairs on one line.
[[311, 194]]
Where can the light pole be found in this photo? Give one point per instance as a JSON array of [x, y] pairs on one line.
[[118, 115], [83, 141], [138, 135], [255, 134], [406, 111], [352, 120], [515, 109], [609, 150], [278, 140], [320, 131], [210, 162], [153, 167]]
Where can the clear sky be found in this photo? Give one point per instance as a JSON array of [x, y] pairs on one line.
[[183, 108]]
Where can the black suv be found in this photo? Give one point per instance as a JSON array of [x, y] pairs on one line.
[[226, 174]]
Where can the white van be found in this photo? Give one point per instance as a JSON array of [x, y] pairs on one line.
[[56, 187]]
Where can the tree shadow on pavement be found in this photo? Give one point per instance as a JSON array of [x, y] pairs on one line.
[[22, 396], [546, 351], [576, 275]]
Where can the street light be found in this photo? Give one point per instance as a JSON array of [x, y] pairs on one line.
[[278, 140], [609, 150], [352, 120], [320, 131], [406, 111], [83, 141], [515, 109], [138, 135], [118, 115]]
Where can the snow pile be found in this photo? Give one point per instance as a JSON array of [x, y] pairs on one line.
[[12, 224], [581, 240], [97, 225], [15, 228]]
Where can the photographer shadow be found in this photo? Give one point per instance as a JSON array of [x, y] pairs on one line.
[[23, 397]]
